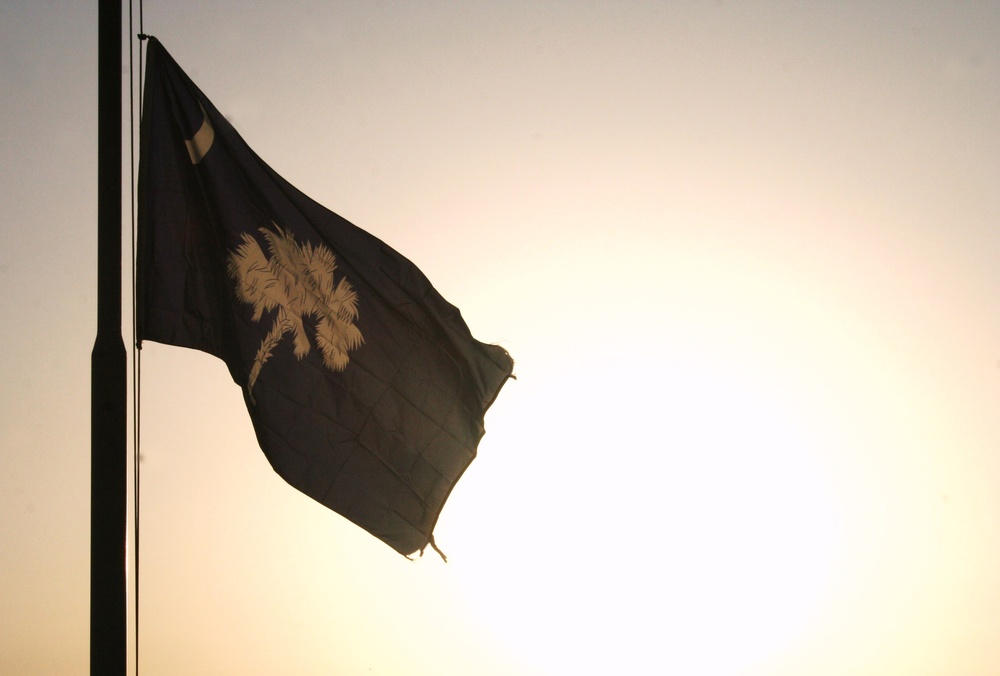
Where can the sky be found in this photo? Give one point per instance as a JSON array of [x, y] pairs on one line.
[[744, 254]]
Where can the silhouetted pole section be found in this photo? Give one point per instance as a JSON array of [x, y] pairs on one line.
[[108, 453]]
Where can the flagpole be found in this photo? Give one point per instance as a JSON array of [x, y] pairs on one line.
[[108, 451]]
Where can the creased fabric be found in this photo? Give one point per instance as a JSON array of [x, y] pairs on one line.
[[366, 388]]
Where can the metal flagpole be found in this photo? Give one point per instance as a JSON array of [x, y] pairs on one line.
[[108, 449]]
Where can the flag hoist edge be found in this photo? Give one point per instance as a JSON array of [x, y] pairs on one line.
[[365, 387]]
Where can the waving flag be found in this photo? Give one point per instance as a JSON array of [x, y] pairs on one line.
[[366, 389]]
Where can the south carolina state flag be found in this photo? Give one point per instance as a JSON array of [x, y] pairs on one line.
[[366, 389]]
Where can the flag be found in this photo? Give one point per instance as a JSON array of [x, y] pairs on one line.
[[365, 387]]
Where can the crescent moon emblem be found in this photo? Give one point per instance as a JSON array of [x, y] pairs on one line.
[[199, 146]]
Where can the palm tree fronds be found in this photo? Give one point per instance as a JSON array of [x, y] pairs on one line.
[[335, 338], [250, 268], [299, 281]]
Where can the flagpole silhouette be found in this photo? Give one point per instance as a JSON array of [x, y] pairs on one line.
[[108, 470]]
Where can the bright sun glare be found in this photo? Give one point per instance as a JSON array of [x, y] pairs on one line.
[[670, 515]]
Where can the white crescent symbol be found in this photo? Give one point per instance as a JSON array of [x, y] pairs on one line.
[[199, 146]]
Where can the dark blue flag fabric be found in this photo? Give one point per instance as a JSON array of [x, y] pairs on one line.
[[366, 389]]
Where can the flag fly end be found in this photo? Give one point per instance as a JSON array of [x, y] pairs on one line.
[[365, 387]]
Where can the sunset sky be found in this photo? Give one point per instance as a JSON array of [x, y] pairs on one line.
[[746, 256]]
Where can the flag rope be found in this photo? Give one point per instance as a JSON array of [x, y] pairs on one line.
[[136, 353]]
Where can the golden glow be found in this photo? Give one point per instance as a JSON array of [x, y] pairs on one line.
[[724, 489], [743, 254], [678, 504]]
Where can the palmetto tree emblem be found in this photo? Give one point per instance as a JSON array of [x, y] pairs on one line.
[[298, 281]]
